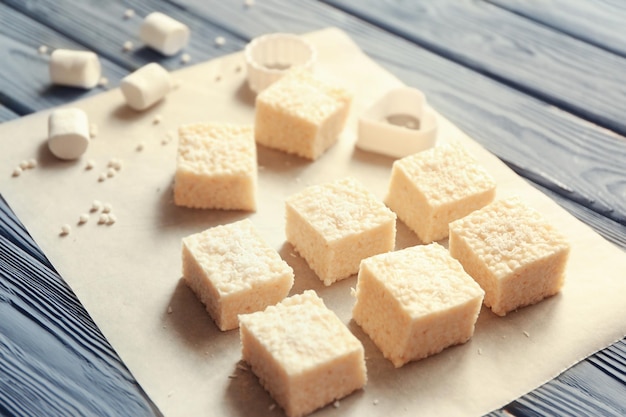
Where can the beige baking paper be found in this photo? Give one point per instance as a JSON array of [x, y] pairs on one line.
[[128, 274]]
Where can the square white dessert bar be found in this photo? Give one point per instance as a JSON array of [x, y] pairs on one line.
[[431, 188], [335, 225], [415, 302], [301, 114], [515, 255], [233, 271], [216, 167], [303, 355]]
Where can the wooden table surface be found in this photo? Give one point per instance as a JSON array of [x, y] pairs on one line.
[[541, 84]]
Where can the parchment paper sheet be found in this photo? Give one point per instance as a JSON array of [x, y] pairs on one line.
[[127, 275]]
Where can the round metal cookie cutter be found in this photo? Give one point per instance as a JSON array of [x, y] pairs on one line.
[[398, 124], [268, 57]]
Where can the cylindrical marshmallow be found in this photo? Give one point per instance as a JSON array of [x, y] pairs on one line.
[[164, 34], [146, 86], [268, 57], [379, 132], [68, 133], [74, 68]]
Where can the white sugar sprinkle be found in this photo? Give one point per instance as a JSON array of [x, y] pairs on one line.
[[17, 172], [220, 40], [65, 229], [102, 177], [32, 163], [111, 172], [90, 164], [93, 130], [139, 147], [24, 164], [127, 46], [107, 207], [157, 119], [176, 83], [185, 58], [96, 205], [104, 218], [83, 218], [43, 49], [129, 13], [112, 219], [103, 82], [375, 402], [248, 3], [526, 333]]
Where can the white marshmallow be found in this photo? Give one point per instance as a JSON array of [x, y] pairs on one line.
[[146, 86], [163, 33], [74, 68], [68, 133]]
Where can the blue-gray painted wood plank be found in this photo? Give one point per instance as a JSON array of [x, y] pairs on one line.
[[7, 114], [566, 72], [53, 359], [598, 22], [24, 78]]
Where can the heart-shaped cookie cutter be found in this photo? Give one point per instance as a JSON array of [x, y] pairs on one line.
[[398, 124]]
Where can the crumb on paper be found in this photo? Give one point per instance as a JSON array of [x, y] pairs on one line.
[[65, 230], [96, 205], [375, 402], [111, 220], [127, 46], [139, 147], [104, 218]]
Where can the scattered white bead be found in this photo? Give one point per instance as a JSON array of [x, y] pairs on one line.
[[32, 163], [526, 333], [185, 58], [104, 218], [127, 46], [336, 404], [103, 82], [129, 13], [157, 119], [24, 164], [17, 172], [65, 229], [93, 130], [111, 172], [139, 147], [238, 68], [107, 207], [375, 402], [43, 49], [115, 163], [220, 40], [102, 177], [83, 218], [248, 3], [96, 205], [90, 164], [112, 219]]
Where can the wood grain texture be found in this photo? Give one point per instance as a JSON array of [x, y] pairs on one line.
[[7, 114], [558, 69], [578, 18], [24, 78], [571, 157], [53, 359]]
